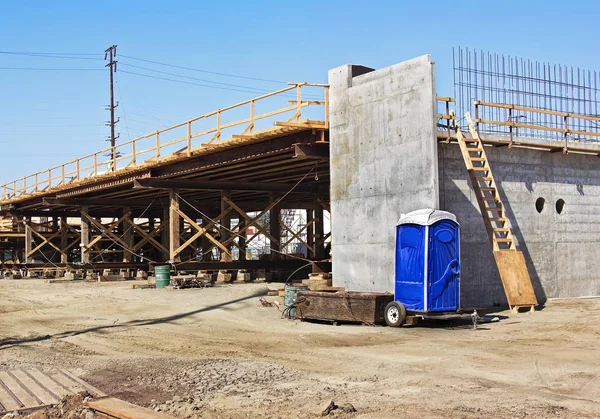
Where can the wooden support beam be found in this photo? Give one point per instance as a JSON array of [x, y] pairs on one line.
[[28, 241], [85, 235], [225, 225], [77, 202], [242, 240], [174, 237], [127, 234], [310, 233], [209, 185], [274, 228], [319, 245], [64, 229], [165, 235]]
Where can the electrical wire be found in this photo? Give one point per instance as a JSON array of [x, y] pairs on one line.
[[49, 69], [122, 106], [186, 82], [204, 71], [194, 78]]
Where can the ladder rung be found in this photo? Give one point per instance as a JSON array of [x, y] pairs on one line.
[[484, 179], [488, 189], [502, 229], [481, 169], [503, 240], [497, 219], [494, 209], [478, 159]]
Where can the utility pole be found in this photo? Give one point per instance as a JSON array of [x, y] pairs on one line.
[[110, 54]]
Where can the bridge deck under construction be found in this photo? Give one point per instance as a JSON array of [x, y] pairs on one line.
[[189, 199]]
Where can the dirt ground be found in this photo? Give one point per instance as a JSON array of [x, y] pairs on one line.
[[217, 353]]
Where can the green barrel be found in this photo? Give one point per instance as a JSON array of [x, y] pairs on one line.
[[290, 298], [162, 275]]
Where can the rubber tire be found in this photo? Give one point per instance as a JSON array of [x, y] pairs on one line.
[[394, 314]]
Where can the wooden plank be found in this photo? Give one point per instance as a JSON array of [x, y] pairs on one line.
[[515, 278], [93, 390], [123, 410]]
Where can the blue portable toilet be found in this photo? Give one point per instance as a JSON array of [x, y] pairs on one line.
[[427, 275]]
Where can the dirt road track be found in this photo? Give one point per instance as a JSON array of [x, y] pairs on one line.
[[217, 353]]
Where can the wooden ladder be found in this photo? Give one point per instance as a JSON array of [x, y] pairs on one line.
[[511, 263]]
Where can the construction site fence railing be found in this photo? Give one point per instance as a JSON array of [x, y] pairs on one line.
[[134, 153], [505, 120]]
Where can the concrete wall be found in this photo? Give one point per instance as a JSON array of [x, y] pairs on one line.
[[383, 163], [561, 250]]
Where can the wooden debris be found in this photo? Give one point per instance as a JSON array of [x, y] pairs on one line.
[[189, 282], [121, 409], [143, 286], [273, 293]]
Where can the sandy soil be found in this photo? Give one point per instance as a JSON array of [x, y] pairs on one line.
[[217, 353]]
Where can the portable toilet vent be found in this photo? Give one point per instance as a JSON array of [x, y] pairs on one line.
[[428, 261]]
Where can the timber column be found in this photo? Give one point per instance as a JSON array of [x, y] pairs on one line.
[[225, 225], [174, 238], [85, 235], [64, 239], [164, 233], [319, 234], [28, 240], [127, 233], [274, 228]]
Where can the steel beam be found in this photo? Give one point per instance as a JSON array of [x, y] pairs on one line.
[[313, 151]]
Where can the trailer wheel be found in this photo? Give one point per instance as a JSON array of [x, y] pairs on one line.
[[395, 314]]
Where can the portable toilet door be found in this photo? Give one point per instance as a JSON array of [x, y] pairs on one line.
[[443, 277], [428, 261]]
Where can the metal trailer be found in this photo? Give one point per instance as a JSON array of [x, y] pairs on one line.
[[427, 278]]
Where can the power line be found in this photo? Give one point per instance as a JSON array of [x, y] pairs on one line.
[[185, 82], [42, 55], [205, 71], [50, 69], [195, 78], [48, 53]]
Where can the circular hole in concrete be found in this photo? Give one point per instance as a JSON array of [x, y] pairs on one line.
[[540, 204], [560, 206]]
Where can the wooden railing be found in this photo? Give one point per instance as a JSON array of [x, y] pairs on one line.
[[179, 140], [526, 122]]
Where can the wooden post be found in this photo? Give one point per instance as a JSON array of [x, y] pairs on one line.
[[242, 240], [310, 236], [206, 243], [164, 235], [63, 238], [28, 241], [174, 239], [274, 228], [85, 235], [225, 225], [319, 234], [127, 232]]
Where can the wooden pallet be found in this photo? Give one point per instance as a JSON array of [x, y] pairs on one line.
[[23, 390], [510, 262]]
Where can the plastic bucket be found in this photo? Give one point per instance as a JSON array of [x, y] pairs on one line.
[[162, 275], [289, 298]]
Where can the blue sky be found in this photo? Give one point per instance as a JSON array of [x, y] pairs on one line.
[[48, 117]]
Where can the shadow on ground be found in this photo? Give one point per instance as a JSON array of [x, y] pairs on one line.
[[10, 342]]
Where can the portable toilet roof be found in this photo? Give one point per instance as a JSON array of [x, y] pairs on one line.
[[426, 217]]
